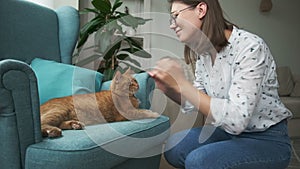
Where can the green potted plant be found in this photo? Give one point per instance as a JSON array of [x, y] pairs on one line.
[[111, 42]]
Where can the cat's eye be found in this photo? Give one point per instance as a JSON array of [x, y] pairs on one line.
[[133, 81]]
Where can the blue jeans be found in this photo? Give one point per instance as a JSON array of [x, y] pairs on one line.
[[269, 149]]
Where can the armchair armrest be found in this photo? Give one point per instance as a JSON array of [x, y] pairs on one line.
[[146, 84], [19, 112]]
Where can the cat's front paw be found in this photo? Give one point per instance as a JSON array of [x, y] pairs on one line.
[[71, 125], [155, 115], [150, 114], [77, 125], [54, 132]]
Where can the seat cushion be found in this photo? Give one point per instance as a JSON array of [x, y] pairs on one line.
[[99, 146], [59, 80]]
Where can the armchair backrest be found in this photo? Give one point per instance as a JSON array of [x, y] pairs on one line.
[[28, 30]]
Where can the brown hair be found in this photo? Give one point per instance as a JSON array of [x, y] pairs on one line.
[[213, 26]]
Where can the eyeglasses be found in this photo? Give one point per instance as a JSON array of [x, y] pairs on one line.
[[173, 16]]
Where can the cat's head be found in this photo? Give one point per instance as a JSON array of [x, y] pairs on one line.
[[124, 84]]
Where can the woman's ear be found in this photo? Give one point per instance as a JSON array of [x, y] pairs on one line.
[[201, 9]]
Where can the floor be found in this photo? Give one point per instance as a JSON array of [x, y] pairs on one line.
[[295, 161], [294, 164]]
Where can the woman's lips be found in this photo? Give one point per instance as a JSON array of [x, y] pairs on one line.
[[177, 32]]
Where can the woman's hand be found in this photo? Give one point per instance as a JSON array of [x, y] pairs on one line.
[[168, 75]]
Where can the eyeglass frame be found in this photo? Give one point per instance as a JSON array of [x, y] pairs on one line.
[[173, 18]]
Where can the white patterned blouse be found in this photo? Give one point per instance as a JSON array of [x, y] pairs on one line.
[[242, 84]]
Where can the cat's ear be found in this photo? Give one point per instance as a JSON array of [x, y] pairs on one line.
[[117, 76], [129, 71]]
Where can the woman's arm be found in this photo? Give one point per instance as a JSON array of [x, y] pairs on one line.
[[170, 78]]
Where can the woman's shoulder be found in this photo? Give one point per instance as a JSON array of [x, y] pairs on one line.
[[249, 46], [245, 37]]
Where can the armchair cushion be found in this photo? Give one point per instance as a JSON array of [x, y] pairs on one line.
[[100, 146], [59, 80]]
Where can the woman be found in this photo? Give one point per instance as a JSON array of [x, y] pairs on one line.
[[235, 87]]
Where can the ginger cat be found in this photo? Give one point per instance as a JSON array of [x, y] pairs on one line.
[[74, 112]]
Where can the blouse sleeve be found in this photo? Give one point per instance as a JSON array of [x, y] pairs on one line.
[[187, 107], [233, 113]]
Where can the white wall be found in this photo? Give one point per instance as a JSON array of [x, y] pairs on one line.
[[164, 41], [47, 3], [58, 3], [279, 28], [53, 4]]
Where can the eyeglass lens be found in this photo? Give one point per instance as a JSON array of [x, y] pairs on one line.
[[174, 15]]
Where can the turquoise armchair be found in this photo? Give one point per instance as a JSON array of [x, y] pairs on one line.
[[28, 31]]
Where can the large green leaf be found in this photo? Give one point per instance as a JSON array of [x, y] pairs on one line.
[[133, 42], [130, 21], [88, 29], [143, 54], [108, 63], [142, 21], [87, 60], [89, 26], [122, 56], [135, 69], [82, 40], [116, 5], [135, 62], [88, 10], [137, 52], [107, 23], [103, 39], [104, 6], [112, 25], [108, 74], [113, 49], [125, 57], [120, 14]]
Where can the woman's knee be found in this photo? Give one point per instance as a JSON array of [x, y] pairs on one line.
[[174, 158], [177, 148], [175, 153], [198, 159]]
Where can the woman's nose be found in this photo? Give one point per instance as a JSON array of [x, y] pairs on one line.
[[173, 26]]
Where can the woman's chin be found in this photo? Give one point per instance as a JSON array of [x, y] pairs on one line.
[[182, 39]]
